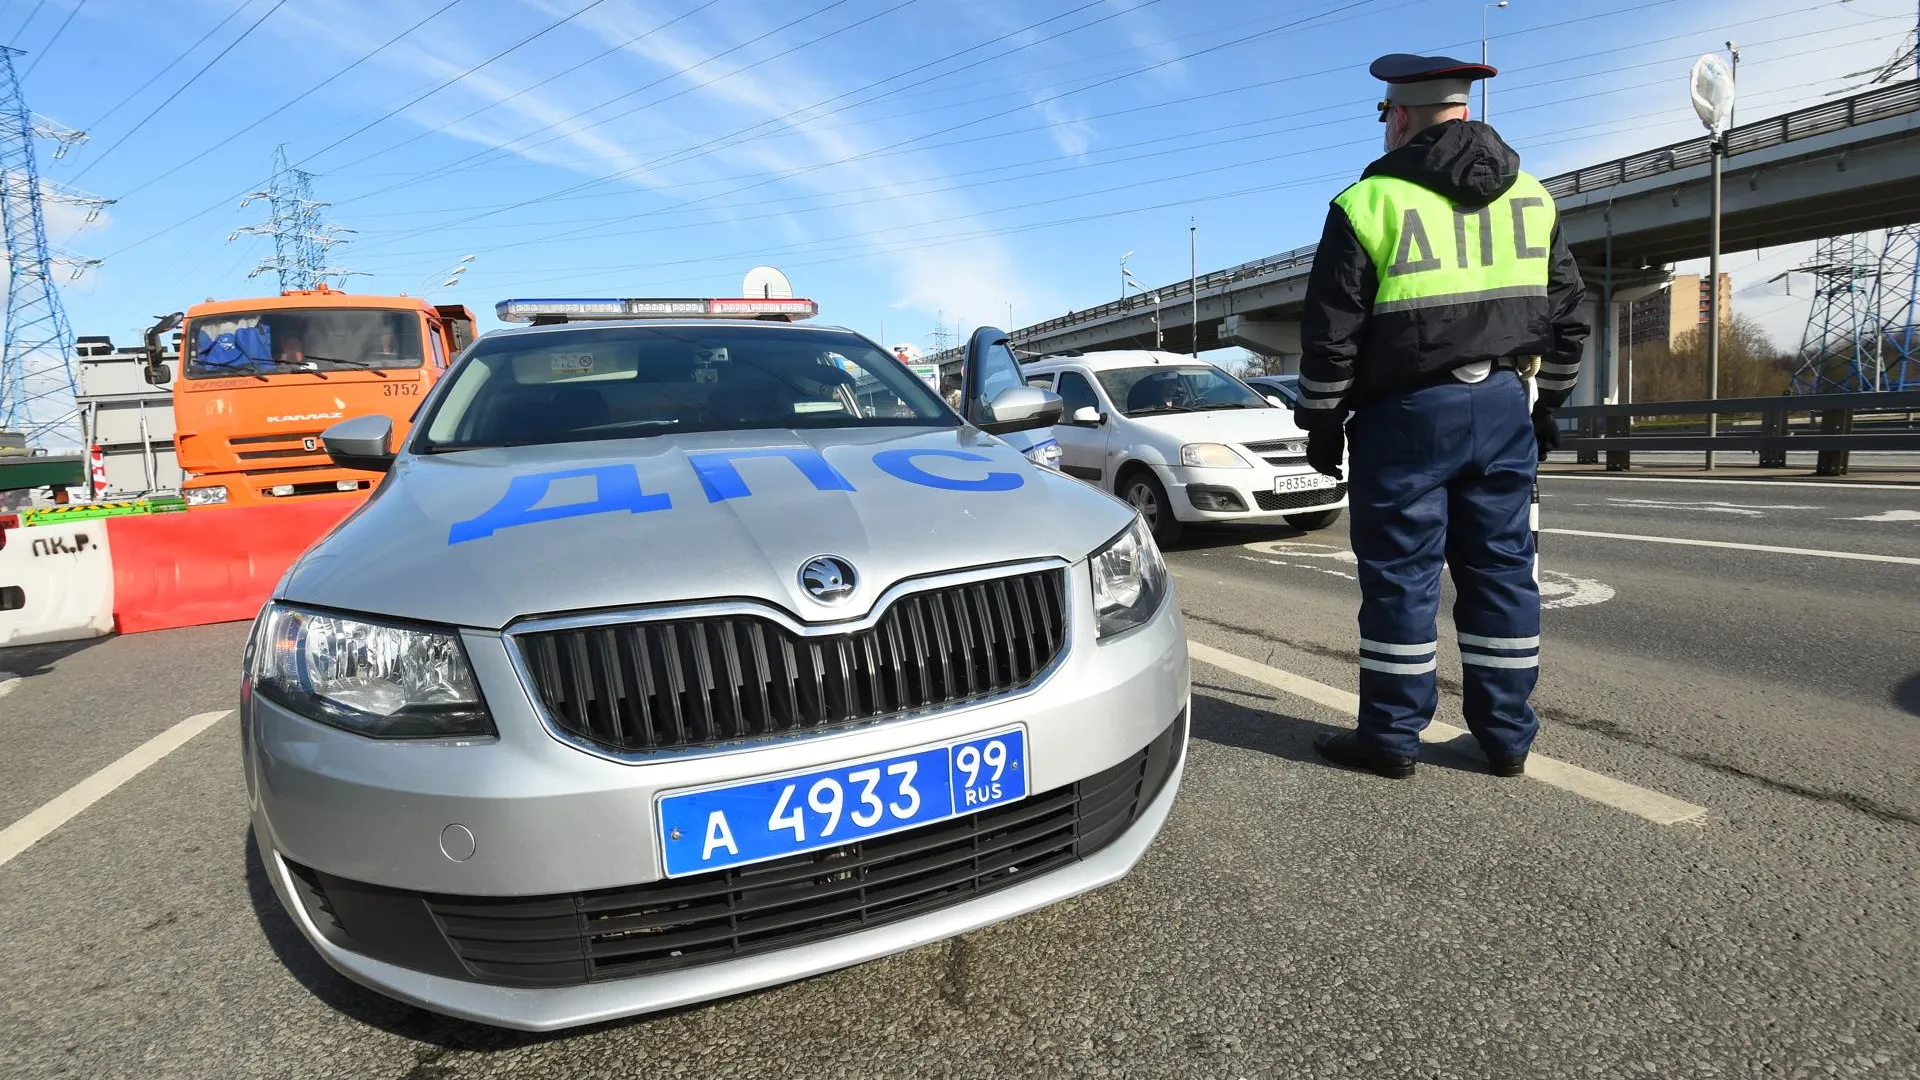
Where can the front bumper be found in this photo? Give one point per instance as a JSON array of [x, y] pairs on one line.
[[551, 828], [1244, 494]]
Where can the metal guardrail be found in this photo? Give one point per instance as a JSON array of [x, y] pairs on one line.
[[1608, 429], [1896, 100]]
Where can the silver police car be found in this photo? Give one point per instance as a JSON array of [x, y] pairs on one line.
[[696, 651]]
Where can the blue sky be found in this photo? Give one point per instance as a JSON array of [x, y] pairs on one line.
[[901, 160]]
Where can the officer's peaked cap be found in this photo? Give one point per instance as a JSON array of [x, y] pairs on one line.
[[1426, 80]]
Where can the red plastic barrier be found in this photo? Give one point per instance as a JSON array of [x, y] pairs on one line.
[[210, 564]]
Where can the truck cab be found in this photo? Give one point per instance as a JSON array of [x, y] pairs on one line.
[[261, 378]]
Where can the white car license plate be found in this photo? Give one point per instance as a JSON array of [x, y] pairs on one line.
[[755, 820], [1303, 482]]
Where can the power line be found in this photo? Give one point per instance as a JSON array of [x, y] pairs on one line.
[[443, 169], [598, 227], [210, 209], [31, 15], [910, 243], [923, 79], [517, 95], [303, 95], [168, 66], [391, 113], [208, 66], [867, 154], [216, 206], [48, 47]]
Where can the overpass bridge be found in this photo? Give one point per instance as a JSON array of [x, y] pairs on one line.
[[1830, 169]]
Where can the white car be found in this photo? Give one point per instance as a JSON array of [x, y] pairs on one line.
[[1183, 441]]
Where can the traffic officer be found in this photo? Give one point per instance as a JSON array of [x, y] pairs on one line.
[[1440, 282]]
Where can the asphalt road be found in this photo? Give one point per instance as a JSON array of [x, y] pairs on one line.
[[1292, 921]]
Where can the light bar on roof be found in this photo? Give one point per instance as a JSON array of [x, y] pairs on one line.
[[583, 310]]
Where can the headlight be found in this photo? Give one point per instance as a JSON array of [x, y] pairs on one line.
[[1211, 455], [384, 681], [1129, 580], [206, 496]]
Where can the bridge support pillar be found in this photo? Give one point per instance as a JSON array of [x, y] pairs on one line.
[[1276, 339]]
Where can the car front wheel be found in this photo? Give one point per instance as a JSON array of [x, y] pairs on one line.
[[1142, 491]]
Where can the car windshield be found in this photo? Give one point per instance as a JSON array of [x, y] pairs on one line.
[[579, 385], [261, 343], [1165, 388]]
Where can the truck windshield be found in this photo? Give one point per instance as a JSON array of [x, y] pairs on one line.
[[313, 339], [638, 381], [1164, 388]]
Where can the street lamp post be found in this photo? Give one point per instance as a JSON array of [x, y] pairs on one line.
[[1712, 88], [1124, 277], [1484, 8], [1193, 279]]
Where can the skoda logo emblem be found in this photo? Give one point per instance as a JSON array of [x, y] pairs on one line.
[[310, 444], [827, 578]]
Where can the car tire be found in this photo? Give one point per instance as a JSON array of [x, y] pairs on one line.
[[1141, 490], [1315, 521]]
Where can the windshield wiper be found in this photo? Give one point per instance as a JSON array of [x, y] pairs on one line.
[[361, 365], [1158, 409]]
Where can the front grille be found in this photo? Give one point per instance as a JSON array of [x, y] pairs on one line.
[[698, 682], [281, 447], [1300, 500], [1280, 451], [567, 940]]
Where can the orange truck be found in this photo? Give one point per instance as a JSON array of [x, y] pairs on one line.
[[261, 378]]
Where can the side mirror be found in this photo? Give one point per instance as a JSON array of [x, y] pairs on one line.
[[364, 443], [1088, 416], [156, 375], [1021, 408], [1278, 401]]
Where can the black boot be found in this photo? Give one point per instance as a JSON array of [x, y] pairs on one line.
[[1347, 751], [1500, 765]]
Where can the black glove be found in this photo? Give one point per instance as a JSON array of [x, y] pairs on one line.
[[1325, 447], [1545, 431]]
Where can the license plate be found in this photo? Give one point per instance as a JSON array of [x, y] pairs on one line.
[[1302, 482], [727, 825]]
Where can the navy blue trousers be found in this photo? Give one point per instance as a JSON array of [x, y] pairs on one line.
[[1444, 474]]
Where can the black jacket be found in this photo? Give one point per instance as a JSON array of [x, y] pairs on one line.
[[1342, 339]]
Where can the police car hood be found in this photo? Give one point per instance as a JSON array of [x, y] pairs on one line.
[[1464, 160], [1225, 425], [481, 538]]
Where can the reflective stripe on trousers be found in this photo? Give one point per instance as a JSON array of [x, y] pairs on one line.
[[1445, 473]]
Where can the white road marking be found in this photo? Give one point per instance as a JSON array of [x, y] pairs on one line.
[[1855, 556], [38, 825], [1652, 805], [1302, 550], [1829, 485], [1557, 590], [9, 682], [1708, 507], [1891, 515], [1303, 566]]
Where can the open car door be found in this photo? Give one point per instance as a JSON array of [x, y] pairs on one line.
[[995, 398]]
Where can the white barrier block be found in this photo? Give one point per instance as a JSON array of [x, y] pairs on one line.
[[56, 583]]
